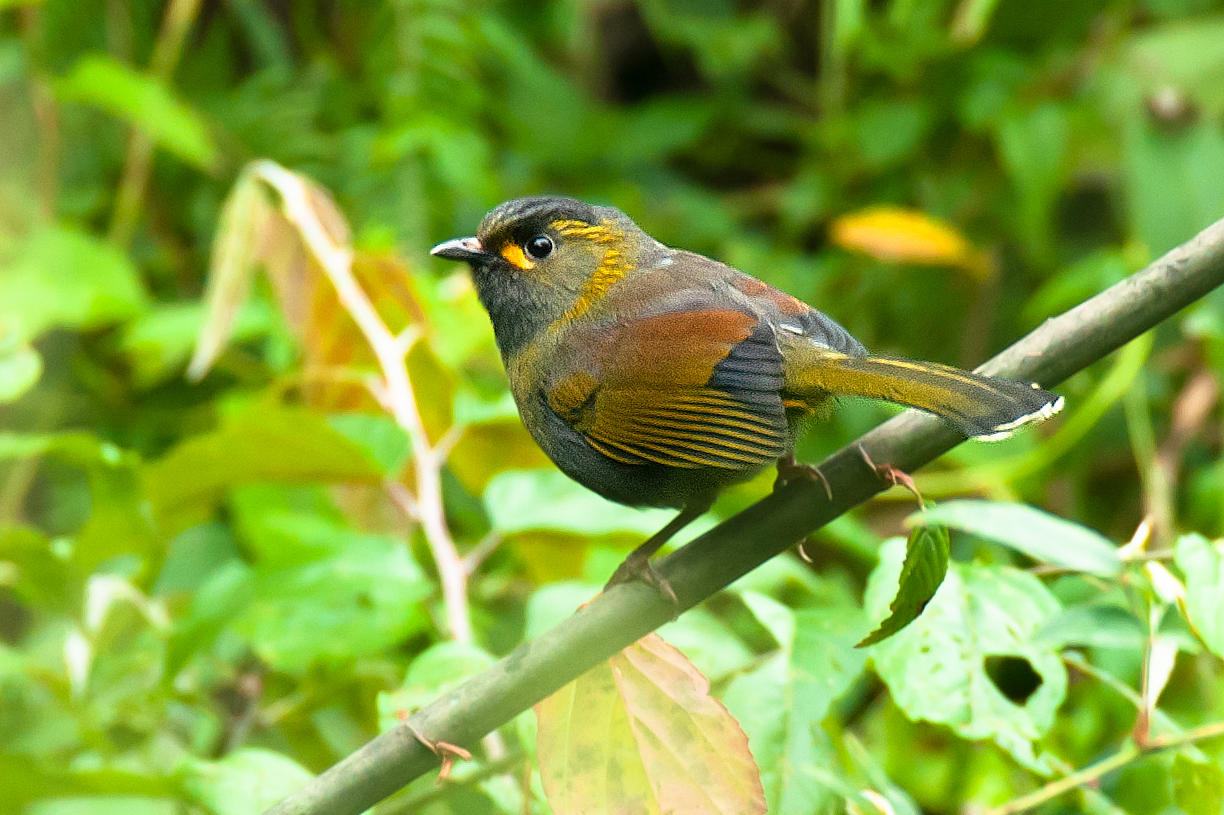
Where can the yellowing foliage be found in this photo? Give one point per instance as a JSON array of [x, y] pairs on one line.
[[641, 734], [897, 235]]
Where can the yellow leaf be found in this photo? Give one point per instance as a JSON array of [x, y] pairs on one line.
[[489, 448], [897, 235], [549, 556], [641, 735]]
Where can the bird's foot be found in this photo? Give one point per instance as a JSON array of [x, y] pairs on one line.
[[790, 470], [640, 568], [893, 476]]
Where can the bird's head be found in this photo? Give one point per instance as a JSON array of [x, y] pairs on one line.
[[537, 261]]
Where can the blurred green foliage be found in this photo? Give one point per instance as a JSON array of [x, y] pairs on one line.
[[206, 594]]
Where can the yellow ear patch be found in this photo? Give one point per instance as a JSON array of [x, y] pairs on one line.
[[513, 253]]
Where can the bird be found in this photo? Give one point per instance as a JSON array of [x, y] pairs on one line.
[[659, 377]]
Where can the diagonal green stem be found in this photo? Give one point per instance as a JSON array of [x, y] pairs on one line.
[[622, 615], [1104, 767]]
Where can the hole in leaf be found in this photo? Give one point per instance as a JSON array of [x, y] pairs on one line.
[[1013, 676]]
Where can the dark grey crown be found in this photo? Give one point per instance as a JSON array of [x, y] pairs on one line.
[[532, 215]]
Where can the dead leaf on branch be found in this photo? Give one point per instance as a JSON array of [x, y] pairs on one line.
[[254, 235], [641, 735], [339, 372]]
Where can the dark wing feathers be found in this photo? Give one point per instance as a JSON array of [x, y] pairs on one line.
[[698, 388]]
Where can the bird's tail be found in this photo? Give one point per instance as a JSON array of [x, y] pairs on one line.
[[980, 406]]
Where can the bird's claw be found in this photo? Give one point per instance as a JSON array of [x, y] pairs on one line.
[[642, 569], [790, 470], [893, 476]]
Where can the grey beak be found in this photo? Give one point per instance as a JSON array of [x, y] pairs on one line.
[[468, 249]]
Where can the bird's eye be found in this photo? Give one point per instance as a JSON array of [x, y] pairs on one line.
[[539, 247]]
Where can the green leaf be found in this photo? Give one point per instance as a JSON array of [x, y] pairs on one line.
[[438, 670], [246, 218], [39, 578], [76, 448], [938, 668], [223, 595], [104, 805], [245, 782], [1039, 535], [1198, 788], [1092, 625], [1202, 563], [360, 601], [926, 563], [525, 500], [554, 602], [65, 278], [783, 702], [708, 642], [379, 435], [1033, 145], [972, 18], [143, 101], [193, 556], [159, 342], [20, 369], [287, 525], [118, 522], [1167, 177], [886, 132], [1187, 55], [263, 443]]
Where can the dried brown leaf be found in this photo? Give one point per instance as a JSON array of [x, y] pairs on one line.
[[245, 218], [639, 735]]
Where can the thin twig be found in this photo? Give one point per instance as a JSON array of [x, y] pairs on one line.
[[46, 114], [1102, 768], [119, 30], [481, 551], [405, 500], [180, 14], [446, 444], [336, 260]]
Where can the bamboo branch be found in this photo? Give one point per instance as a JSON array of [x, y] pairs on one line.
[[622, 615]]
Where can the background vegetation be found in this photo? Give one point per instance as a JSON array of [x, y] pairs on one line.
[[209, 591]]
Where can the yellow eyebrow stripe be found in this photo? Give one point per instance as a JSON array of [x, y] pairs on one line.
[[597, 233]]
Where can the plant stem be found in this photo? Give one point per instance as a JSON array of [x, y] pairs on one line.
[[180, 14], [1102, 768], [335, 257], [46, 114]]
